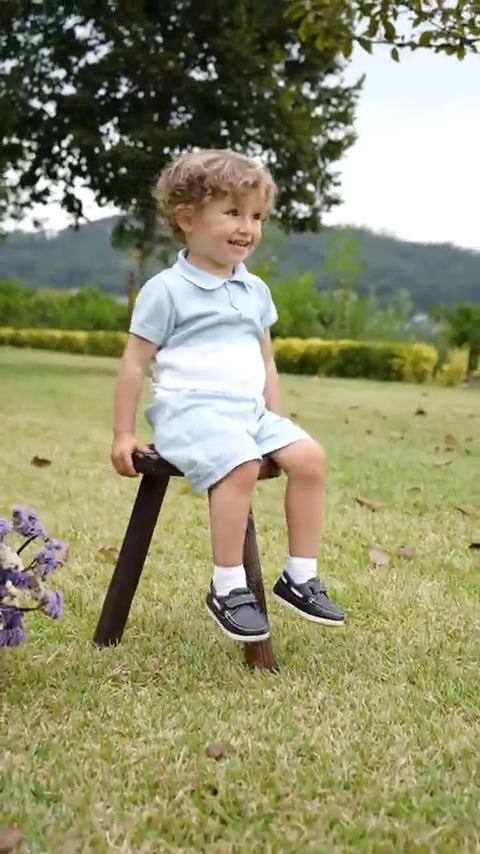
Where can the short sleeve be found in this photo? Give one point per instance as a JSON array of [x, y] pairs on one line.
[[153, 312], [269, 314]]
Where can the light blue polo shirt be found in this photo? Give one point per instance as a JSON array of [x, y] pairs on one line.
[[208, 329]]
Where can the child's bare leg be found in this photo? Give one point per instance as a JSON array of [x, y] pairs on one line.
[[299, 588], [304, 463], [229, 602], [229, 507]]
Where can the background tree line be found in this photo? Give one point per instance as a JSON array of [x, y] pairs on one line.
[[430, 274], [337, 314]]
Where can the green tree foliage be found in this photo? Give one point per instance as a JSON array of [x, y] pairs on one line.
[[338, 312], [451, 27], [462, 330], [105, 97], [303, 312], [88, 309]]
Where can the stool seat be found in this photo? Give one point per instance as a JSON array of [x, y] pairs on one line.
[[156, 473], [154, 464]]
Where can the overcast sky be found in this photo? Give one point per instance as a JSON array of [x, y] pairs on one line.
[[415, 169]]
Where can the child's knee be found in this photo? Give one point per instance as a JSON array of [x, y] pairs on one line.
[[244, 476], [305, 459]]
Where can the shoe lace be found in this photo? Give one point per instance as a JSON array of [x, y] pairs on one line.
[[316, 588]]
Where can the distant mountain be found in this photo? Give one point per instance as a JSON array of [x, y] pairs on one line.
[[431, 273]]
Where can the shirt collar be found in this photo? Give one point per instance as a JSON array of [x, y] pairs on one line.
[[205, 280]]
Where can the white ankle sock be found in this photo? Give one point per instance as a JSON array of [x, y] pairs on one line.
[[301, 569], [227, 578]]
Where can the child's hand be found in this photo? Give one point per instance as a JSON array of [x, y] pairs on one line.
[[121, 455]]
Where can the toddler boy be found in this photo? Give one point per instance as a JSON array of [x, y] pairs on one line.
[[206, 322]]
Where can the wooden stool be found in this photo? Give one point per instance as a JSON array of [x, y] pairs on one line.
[[156, 473]]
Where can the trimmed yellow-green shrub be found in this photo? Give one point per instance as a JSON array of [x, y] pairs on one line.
[[454, 370], [312, 356], [417, 362], [355, 359], [87, 343]]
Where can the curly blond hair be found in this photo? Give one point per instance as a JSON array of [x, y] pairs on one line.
[[192, 180]]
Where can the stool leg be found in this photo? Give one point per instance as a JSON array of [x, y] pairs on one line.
[[257, 654], [131, 559]]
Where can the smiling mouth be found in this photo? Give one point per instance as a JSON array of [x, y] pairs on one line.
[[242, 243]]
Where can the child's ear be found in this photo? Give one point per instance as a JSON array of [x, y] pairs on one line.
[[184, 217]]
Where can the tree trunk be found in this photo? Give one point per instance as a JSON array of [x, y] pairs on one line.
[[473, 356]]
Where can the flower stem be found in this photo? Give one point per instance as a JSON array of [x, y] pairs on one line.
[[5, 607], [26, 543]]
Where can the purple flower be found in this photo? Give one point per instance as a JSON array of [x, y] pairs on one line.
[[12, 630], [44, 562], [56, 545], [27, 524], [5, 528], [20, 580], [52, 604]]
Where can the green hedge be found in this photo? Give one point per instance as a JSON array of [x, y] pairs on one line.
[[372, 360], [313, 356], [62, 341]]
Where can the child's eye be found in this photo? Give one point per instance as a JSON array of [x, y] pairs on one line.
[[236, 212]]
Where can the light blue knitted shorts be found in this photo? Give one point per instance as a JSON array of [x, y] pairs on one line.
[[206, 435]]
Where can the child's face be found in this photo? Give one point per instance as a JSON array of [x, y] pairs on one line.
[[225, 232]]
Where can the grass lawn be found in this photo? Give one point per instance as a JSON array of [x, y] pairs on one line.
[[367, 740]]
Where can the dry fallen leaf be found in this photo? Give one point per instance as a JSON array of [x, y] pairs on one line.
[[10, 839], [366, 502], [40, 462], [407, 551], [419, 411], [379, 556], [109, 553], [450, 440], [216, 750]]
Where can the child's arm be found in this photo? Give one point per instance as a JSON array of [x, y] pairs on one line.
[[137, 356], [271, 392], [151, 323]]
